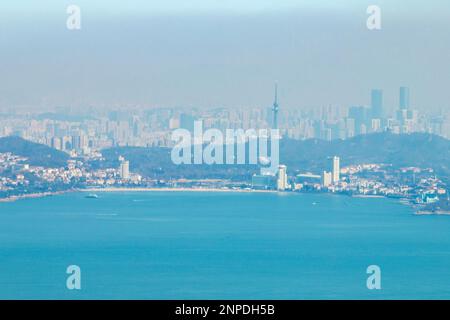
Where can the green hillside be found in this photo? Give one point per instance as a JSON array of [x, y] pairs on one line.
[[421, 150], [38, 154]]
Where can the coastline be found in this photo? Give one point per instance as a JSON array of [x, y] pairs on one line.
[[124, 189], [431, 213], [166, 189]]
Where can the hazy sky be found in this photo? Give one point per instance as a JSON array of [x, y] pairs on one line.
[[210, 53]]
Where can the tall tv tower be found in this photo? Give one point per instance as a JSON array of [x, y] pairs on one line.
[[275, 108]]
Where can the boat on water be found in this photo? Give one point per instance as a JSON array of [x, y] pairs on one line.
[[92, 196]]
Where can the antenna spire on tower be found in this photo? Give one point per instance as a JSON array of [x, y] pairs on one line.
[[275, 108]]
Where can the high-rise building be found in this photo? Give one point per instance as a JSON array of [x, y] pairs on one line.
[[125, 169], [282, 178], [377, 104], [376, 125], [76, 142], [84, 141], [56, 143], [402, 115], [350, 127], [67, 143], [336, 170], [327, 179], [361, 116], [404, 98]]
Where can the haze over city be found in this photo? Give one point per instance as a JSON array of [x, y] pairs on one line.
[[222, 54]]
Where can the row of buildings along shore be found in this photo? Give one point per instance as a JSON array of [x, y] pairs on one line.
[[419, 185]]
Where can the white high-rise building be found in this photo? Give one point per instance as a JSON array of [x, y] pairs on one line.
[[125, 169], [327, 179], [282, 182], [336, 170]]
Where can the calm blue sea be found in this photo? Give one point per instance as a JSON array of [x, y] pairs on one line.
[[199, 245]]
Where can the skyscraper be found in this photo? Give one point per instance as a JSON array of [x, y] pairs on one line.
[[125, 169], [377, 103], [336, 169], [282, 178], [275, 109], [361, 116], [327, 179], [404, 98]]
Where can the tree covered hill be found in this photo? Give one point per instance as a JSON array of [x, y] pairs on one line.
[[420, 150], [156, 163], [37, 154]]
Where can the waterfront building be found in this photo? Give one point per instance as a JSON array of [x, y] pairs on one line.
[[282, 183], [327, 179], [125, 169], [336, 170]]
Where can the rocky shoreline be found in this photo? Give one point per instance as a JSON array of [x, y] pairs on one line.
[[31, 196]]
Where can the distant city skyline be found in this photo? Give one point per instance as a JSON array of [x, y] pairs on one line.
[[80, 132], [222, 54]]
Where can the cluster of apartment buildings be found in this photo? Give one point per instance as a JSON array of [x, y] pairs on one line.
[[420, 185], [417, 184], [17, 176]]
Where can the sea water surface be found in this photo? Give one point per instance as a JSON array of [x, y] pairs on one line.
[[202, 245]]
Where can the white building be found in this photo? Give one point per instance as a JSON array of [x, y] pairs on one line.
[[327, 179], [336, 170], [282, 182], [125, 170]]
